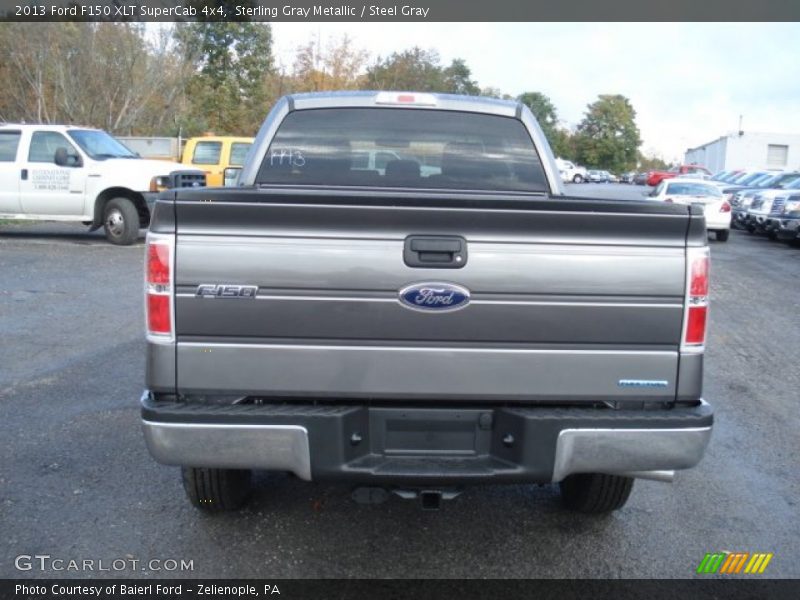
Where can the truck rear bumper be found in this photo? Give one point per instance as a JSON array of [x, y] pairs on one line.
[[423, 446]]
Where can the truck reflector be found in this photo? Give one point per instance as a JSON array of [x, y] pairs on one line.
[[159, 313], [695, 319], [158, 318]]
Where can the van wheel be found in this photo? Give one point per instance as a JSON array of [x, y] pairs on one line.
[[216, 490], [595, 493], [121, 221], [722, 235], [577, 179]]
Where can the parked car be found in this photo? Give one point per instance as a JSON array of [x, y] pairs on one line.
[[627, 177], [716, 209], [66, 173], [655, 177], [610, 177], [783, 222], [318, 319], [596, 176], [741, 198], [640, 178], [742, 201], [570, 172], [220, 157], [740, 204], [758, 213]]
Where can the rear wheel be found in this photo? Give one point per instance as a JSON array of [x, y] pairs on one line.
[[577, 179], [722, 235], [595, 493], [216, 490], [121, 221]]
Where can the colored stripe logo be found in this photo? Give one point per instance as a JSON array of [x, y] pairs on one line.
[[734, 563]]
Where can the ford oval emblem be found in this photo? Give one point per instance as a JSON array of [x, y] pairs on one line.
[[434, 297]]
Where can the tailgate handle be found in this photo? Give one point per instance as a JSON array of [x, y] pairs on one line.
[[435, 252]]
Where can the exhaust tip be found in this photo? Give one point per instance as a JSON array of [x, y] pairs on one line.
[[665, 476]]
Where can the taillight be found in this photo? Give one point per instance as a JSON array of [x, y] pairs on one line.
[[696, 312], [159, 263], [726, 207]]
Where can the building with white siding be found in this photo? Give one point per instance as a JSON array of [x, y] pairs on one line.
[[748, 150]]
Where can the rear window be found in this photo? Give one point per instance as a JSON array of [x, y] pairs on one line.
[[238, 153], [207, 153], [692, 189], [9, 140], [414, 148]]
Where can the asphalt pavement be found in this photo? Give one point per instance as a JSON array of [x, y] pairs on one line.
[[77, 483]]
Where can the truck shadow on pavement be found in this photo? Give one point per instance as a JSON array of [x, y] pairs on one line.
[[50, 232]]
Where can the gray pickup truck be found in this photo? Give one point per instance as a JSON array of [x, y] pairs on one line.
[[451, 319]]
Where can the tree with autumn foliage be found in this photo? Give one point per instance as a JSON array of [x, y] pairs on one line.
[[84, 73], [337, 65]]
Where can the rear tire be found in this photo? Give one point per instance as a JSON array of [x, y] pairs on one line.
[[595, 493], [121, 221], [577, 179], [722, 235], [216, 490]]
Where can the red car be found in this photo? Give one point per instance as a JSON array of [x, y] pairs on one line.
[[655, 177]]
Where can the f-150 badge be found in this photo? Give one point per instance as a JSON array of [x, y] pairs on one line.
[[215, 290], [434, 297]]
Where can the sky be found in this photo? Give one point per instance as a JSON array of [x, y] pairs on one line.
[[688, 82]]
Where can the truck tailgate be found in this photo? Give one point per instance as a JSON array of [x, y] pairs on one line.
[[570, 300]]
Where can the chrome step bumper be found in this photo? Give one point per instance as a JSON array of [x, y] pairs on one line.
[[383, 445]]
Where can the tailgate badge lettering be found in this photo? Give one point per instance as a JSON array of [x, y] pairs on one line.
[[643, 383], [434, 297], [218, 290]]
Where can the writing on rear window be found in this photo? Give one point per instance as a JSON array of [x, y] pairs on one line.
[[289, 156], [405, 148]]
